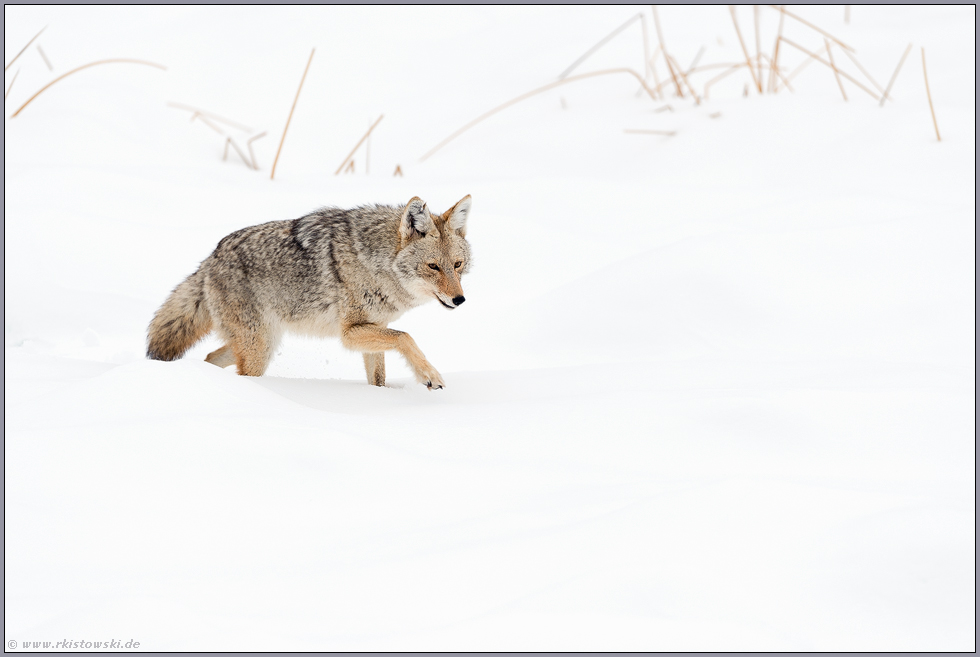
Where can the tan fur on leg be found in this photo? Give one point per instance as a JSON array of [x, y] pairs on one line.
[[374, 338], [374, 365], [222, 357]]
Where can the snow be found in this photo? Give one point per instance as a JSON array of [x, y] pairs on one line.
[[708, 392]]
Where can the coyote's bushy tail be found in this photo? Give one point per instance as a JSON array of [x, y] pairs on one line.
[[182, 320]]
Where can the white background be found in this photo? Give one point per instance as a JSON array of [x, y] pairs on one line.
[[708, 392]]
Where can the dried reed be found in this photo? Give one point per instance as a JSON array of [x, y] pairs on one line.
[[210, 115], [694, 62], [814, 27], [208, 123], [255, 164], [697, 99], [806, 62], [28, 45], [7, 93], [398, 171], [895, 74], [354, 150], [669, 61], [748, 60], [842, 73], [830, 56], [290, 118], [552, 85], [929, 95], [653, 67], [609, 37], [779, 75], [866, 74], [706, 67], [646, 46], [76, 70], [758, 47], [660, 40], [44, 57], [231, 141], [774, 62], [732, 68]]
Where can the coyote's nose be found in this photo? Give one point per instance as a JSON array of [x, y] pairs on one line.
[[459, 300]]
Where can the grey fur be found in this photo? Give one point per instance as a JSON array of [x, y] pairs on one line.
[[334, 272]]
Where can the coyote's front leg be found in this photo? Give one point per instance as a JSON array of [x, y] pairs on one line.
[[374, 365], [372, 338]]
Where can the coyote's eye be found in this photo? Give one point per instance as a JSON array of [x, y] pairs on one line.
[[433, 266], [459, 263]]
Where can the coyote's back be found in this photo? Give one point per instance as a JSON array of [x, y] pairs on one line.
[[344, 273]]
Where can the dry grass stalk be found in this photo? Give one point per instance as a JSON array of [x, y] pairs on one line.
[[929, 95], [669, 61], [665, 108], [653, 68], [694, 62], [251, 153], [830, 56], [290, 118], [350, 167], [44, 57], [660, 40], [354, 150], [779, 75], [814, 27], [237, 150], [588, 53], [76, 70], [706, 67], [547, 87], [7, 93], [398, 171], [842, 73], [774, 62], [748, 60], [866, 74], [847, 15], [697, 99], [646, 46], [667, 133], [28, 45], [210, 115], [720, 76], [758, 47], [806, 62], [895, 74], [206, 122]]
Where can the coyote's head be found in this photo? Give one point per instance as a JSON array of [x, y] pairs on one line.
[[433, 252]]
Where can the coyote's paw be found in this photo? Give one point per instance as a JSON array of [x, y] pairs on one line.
[[430, 377]]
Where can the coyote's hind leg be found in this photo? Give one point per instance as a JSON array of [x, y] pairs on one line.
[[221, 357], [374, 365]]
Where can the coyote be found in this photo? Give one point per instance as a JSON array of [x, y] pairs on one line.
[[334, 272]]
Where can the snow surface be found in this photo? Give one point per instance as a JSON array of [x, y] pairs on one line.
[[709, 392]]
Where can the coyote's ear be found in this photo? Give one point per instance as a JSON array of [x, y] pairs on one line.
[[416, 220], [457, 215]]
